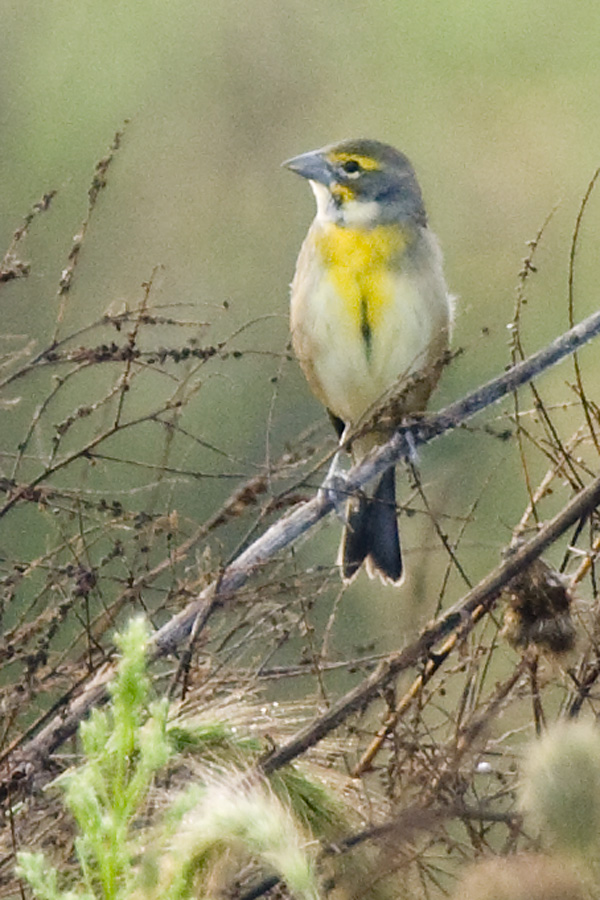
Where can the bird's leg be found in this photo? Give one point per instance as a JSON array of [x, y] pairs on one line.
[[410, 454], [334, 487], [412, 457]]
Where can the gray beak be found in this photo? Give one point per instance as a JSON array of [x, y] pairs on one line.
[[311, 165]]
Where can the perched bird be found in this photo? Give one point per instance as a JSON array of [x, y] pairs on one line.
[[370, 318]]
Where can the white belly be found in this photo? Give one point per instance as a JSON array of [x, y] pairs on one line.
[[354, 374], [350, 375]]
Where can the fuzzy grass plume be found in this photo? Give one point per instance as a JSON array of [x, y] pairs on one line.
[[561, 787], [200, 834]]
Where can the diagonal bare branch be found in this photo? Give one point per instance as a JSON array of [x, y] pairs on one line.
[[32, 755]]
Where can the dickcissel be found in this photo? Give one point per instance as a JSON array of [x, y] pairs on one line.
[[370, 317]]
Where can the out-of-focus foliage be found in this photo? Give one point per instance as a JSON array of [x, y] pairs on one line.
[[561, 788]]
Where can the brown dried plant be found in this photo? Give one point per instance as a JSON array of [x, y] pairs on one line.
[[98, 470]]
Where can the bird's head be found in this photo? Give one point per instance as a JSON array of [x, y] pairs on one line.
[[362, 183]]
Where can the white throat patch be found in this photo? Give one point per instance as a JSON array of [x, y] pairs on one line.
[[360, 213], [322, 196]]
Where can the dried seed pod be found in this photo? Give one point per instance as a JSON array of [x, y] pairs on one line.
[[539, 610]]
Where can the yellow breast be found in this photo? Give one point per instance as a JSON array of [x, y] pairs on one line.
[[361, 264], [368, 309]]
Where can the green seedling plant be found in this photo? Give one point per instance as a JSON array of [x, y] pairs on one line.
[[121, 850], [123, 747]]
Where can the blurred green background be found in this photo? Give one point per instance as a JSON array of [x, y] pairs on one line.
[[496, 103]]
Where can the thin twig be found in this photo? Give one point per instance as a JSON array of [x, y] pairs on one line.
[[298, 522], [572, 255], [11, 266], [461, 619]]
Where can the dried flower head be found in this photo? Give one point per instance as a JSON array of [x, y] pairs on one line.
[[561, 786], [539, 610]]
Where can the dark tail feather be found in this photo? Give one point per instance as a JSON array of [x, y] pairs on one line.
[[371, 534], [384, 557], [355, 539]]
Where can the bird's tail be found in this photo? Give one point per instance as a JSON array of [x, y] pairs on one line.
[[371, 534]]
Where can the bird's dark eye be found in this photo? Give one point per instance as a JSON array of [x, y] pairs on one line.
[[351, 167]]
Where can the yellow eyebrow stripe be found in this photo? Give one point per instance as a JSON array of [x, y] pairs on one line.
[[365, 162]]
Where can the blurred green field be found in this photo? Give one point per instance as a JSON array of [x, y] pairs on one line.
[[497, 104]]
